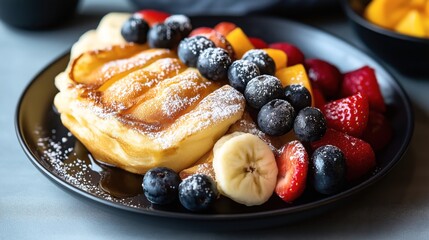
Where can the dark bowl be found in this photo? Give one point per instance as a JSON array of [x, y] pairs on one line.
[[406, 54], [36, 14]]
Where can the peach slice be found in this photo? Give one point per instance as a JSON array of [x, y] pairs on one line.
[[279, 57], [239, 41], [295, 75], [380, 12], [412, 24]]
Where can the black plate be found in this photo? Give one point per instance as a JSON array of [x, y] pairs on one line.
[[64, 160]]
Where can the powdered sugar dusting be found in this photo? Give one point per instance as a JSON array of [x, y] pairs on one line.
[[68, 160]]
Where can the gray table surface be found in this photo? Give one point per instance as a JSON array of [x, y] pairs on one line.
[[32, 207]]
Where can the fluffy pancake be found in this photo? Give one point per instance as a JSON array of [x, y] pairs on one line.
[[137, 108]]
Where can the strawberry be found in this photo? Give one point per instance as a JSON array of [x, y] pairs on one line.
[[319, 100], [325, 76], [152, 16], [201, 31], [294, 54], [364, 80], [379, 132], [293, 167], [258, 43], [225, 27], [360, 158], [348, 115], [218, 39]]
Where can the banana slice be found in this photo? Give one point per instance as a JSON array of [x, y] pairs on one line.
[[245, 168]]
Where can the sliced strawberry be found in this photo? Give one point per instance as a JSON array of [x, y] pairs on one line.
[[319, 100], [364, 80], [225, 27], [200, 31], [218, 39], [348, 115], [360, 158], [294, 54], [379, 132], [153, 16], [258, 43], [293, 167], [325, 76]]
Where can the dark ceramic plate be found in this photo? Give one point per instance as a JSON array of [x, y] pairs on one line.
[[56, 153]]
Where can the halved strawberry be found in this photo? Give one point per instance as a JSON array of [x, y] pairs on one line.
[[225, 27], [258, 43], [153, 16], [348, 115], [293, 167], [364, 80], [294, 54], [379, 132], [360, 157], [325, 76], [218, 39]]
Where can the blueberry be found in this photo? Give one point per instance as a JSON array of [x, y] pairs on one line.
[[298, 96], [213, 64], [197, 192], [264, 62], [276, 117], [190, 48], [262, 89], [241, 72], [163, 36], [309, 125], [160, 185], [135, 30], [328, 169], [180, 23]]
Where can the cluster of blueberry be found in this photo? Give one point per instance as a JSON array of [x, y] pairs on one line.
[[162, 185], [165, 34]]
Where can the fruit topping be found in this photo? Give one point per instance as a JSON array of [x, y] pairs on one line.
[[292, 164], [160, 185], [262, 89], [245, 168], [190, 49], [378, 132], [298, 96], [258, 43], [201, 31], [198, 192], [276, 117], [162, 36], [318, 98], [348, 115], [179, 23], [239, 42], [152, 17], [213, 64], [240, 73], [294, 54], [218, 39], [279, 57], [309, 125], [261, 58], [325, 76], [328, 170], [225, 27], [360, 158], [135, 30], [363, 80], [294, 75]]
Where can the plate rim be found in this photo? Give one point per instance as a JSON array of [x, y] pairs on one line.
[[330, 200]]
